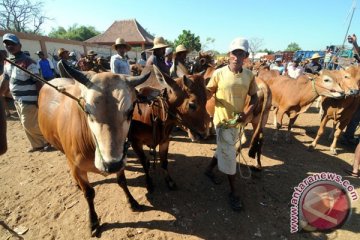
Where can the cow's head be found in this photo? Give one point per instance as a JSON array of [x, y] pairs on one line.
[[352, 79], [187, 100], [327, 84], [348, 82], [108, 104]]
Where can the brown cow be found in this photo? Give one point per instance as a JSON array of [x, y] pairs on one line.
[[182, 102], [91, 136], [294, 96], [340, 110]]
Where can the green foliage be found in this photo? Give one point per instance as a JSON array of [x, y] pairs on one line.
[[268, 51], [293, 47], [75, 32], [189, 40]]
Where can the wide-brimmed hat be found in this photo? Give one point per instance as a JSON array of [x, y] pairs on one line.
[[159, 42], [121, 41], [315, 56], [181, 48], [239, 43], [61, 51], [91, 53]]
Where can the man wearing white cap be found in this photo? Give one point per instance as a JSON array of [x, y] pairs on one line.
[[169, 56], [25, 91], [230, 84]]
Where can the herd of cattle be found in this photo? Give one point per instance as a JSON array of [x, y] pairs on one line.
[[115, 110]]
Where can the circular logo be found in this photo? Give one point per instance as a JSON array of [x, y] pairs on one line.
[[325, 206]]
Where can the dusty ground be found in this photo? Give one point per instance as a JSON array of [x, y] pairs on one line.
[[37, 193]]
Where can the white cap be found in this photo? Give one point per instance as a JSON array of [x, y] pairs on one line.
[[239, 43], [278, 60], [168, 50]]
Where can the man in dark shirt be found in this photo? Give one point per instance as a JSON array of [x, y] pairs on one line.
[[157, 57], [314, 66]]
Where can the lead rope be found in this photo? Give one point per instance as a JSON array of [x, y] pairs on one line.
[[57, 88]]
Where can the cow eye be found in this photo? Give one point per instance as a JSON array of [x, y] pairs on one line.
[[326, 80], [192, 106]]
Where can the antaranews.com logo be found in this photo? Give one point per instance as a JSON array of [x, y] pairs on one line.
[[321, 202]]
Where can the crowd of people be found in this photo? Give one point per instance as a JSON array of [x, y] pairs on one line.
[[230, 83]]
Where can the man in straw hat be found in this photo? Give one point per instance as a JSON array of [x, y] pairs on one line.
[[63, 54], [88, 63], [230, 84], [25, 91], [157, 57], [178, 69], [118, 62], [314, 66]]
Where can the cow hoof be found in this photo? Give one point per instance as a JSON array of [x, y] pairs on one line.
[[95, 229], [135, 206]]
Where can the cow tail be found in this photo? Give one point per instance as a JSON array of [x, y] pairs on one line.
[[256, 140]]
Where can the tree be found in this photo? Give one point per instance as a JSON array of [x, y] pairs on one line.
[[255, 44], [75, 32], [189, 40], [293, 47], [21, 16], [268, 51]]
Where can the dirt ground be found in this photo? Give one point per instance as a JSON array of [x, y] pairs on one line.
[[39, 197]]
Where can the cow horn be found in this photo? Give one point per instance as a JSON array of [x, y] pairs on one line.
[[164, 78], [135, 81], [77, 75]]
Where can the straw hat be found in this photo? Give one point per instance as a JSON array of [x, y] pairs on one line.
[[61, 51], [91, 53], [121, 41], [315, 56], [159, 42], [180, 48]]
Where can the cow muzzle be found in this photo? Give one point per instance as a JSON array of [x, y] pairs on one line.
[[114, 167]]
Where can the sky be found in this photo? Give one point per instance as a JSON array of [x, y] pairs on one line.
[[312, 24]]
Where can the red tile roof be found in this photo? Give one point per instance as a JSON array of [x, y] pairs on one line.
[[130, 30]]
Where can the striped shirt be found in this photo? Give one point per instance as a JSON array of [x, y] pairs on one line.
[[22, 85]]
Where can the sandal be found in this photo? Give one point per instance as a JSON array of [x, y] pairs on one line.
[[31, 150], [235, 202], [351, 173], [215, 179]]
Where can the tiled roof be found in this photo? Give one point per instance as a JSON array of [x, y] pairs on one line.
[[129, 29]]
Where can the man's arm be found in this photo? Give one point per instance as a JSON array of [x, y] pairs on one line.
[[4, 85]]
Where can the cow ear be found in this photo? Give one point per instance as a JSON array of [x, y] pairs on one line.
[[187, 82], [164, 78], [77, 75]]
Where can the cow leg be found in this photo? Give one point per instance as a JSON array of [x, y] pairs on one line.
[[89, 193], [320, 132], [163, 152], [279, 117], [288, 133], [138, 149], [121, 180], [337, 133]]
